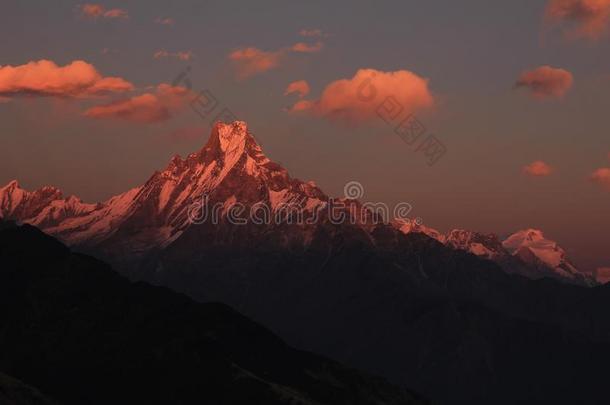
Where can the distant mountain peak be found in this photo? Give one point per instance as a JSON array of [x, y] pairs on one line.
[[485, 245], [13, 184]]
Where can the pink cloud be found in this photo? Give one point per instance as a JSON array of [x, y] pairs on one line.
[[602, 177], [116, 13], [251, 61], [302, 105], [95, 11], [538, 169], [546, 82], [182, 55], [590, 17], [358, 99], [306, 48], [146, 108], [300, 87], [45, 78]]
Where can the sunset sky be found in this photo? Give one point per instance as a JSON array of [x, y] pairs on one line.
[[518, 92]]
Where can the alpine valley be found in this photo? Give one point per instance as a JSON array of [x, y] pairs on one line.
[[461, 317]]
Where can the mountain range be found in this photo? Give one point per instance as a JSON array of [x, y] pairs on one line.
[[460, 318], [232, 168]]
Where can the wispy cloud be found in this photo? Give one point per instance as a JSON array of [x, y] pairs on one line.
[[300, 87], [307, 48], [182, 55], [165, 21], [313, 33], [45, 78], [95, 11], [146, 108], [546, 82], [250, 61]]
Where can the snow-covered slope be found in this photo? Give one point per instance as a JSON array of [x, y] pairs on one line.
[[545, 255], [413, 226], [231, 168], [526, 253], [488, 246]]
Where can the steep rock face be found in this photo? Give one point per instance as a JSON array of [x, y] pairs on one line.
[[18, 203]]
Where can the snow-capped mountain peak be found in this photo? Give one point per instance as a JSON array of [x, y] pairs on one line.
[[479, 244], [230, 168], [414, 226], [544, 255], [524, 237], [16, 202]]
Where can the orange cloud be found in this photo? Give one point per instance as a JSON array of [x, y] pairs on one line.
[[602, 177], [146, 108], [300, 87], [306, 48], [45, 78], [182, 55], [96, 11], [590, 17], [358, 99], [538, 169], [546, 82]]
